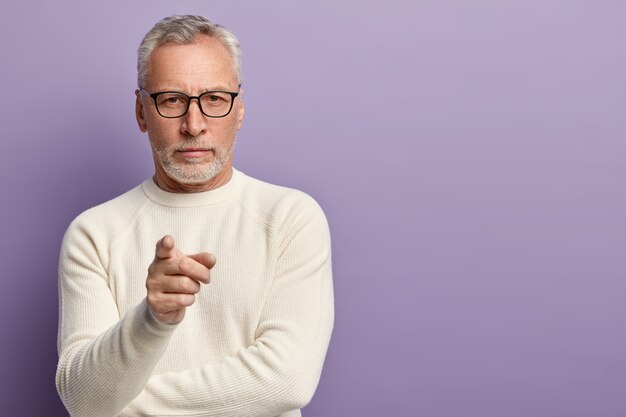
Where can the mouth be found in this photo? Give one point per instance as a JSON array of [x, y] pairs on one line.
[[193, 152]]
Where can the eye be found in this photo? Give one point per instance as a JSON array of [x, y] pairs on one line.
[[171, 99], [215, 98]]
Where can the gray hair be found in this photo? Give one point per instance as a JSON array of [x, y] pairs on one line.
[[183, 30]]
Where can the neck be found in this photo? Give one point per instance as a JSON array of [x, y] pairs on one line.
[[168, 184]]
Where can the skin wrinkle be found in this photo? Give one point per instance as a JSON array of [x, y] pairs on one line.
[[191, 68]]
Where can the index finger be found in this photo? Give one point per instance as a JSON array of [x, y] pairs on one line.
[[165, 247]]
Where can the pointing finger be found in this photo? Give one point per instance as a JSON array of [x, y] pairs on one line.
[[165, 247]]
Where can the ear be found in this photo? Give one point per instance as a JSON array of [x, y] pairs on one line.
[[139, 112], [241, 109]]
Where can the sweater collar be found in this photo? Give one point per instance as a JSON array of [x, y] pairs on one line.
[[205, 198]]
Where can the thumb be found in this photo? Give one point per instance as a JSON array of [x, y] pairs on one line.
[[204, 258]]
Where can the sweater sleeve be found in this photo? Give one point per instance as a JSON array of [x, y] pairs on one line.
[[104, 361], [281, 369]]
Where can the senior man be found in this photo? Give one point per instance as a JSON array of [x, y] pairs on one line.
[[235, 315]]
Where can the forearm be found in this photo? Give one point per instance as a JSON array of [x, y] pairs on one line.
[[100, 376], [266, 379], [279, 372]]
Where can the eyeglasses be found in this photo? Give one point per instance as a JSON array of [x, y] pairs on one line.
[[173, 104]]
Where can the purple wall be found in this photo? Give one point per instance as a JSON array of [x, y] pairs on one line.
[[470, 157]]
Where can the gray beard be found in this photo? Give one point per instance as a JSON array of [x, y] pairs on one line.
[[191, 172]]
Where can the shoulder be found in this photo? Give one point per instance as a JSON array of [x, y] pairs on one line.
[[275, 202], [108, 217], [89, 236], [292, 216]]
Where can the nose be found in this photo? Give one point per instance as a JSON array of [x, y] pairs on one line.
[[194, 122]]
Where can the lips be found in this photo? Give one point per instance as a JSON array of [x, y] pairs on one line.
[[194, 152]]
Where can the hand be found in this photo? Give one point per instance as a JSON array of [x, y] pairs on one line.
[[174, 280]]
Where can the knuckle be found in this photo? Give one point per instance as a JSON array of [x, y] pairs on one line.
[[151, 299], [179, 299], [188, 286], [150, 284], [189, 299], [192, 287], [184, 264], [180, 285]]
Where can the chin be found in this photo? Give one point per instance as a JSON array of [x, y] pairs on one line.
[[194, 176]]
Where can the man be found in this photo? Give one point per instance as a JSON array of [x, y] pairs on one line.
[[236, 312]]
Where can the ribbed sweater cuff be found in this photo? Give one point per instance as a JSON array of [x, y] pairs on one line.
[[147, 327]]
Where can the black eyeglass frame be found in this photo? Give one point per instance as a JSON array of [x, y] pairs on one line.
[[189, 98]]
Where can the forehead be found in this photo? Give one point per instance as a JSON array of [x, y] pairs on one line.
[[205, 63]]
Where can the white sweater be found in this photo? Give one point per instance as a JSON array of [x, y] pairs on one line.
[[254, 342]]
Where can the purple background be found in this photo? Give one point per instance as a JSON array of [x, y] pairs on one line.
[[470, 157]]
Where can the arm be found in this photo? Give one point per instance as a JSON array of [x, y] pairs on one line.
[[104, 362], [280, 371]]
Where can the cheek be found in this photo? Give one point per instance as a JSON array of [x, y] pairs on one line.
[[162, 134], [222, 133], [231, 128]]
